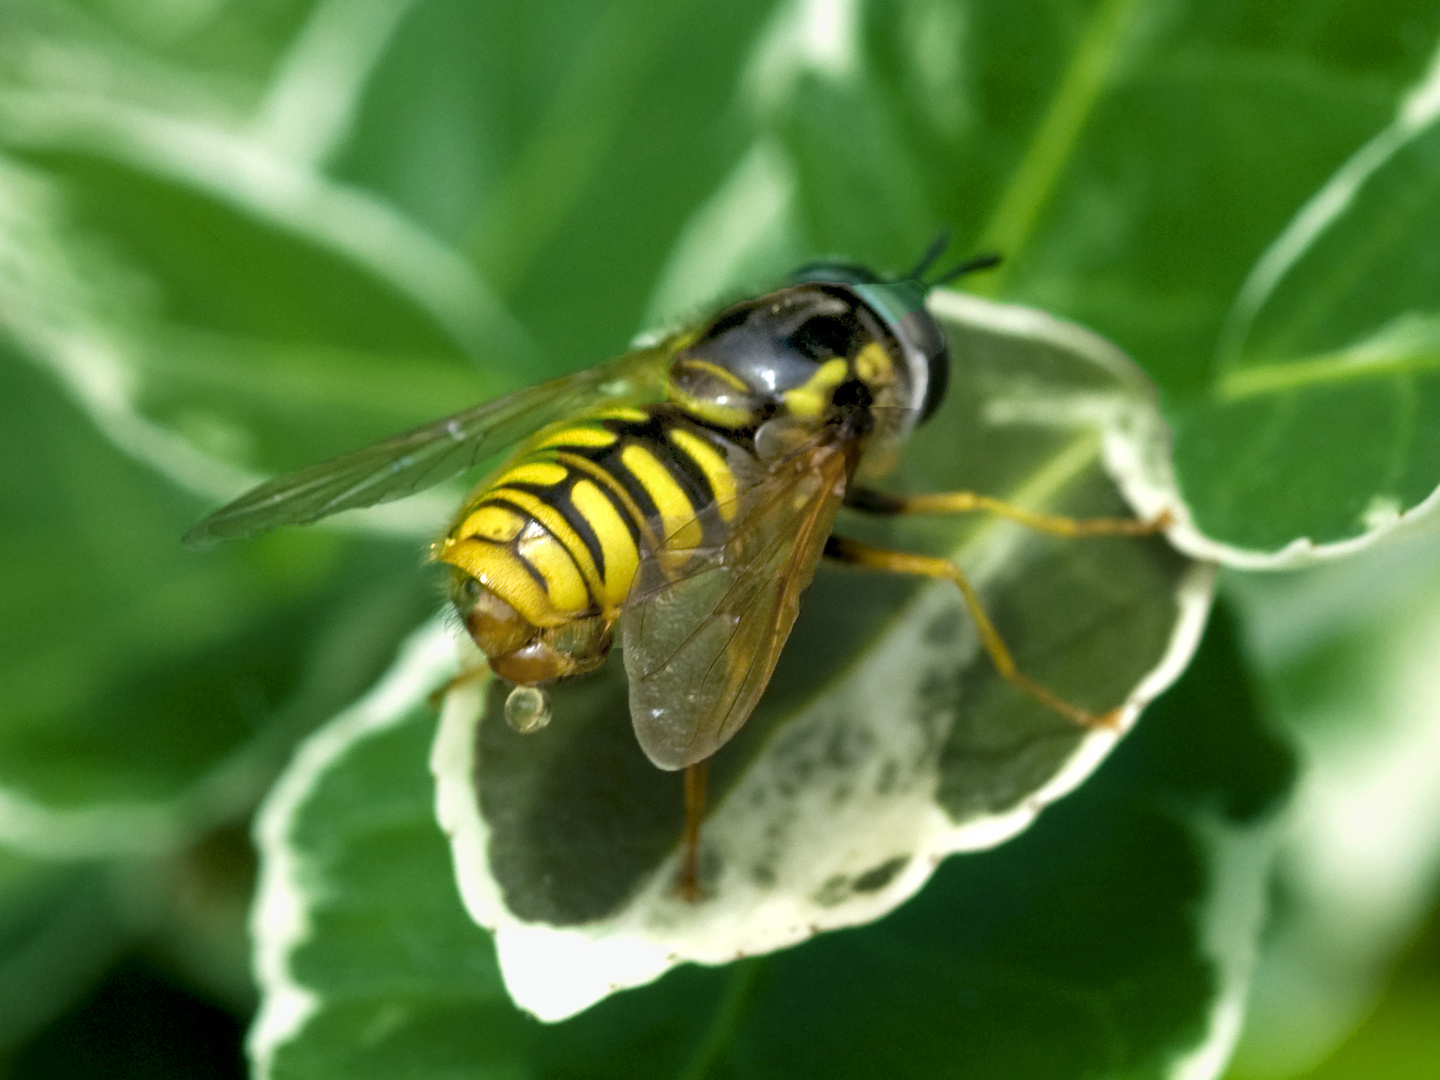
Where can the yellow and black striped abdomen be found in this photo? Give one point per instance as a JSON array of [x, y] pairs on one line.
[[557, 532]]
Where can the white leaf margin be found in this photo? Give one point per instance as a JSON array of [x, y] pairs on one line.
[[290, 882], [49, 308], [1230, 919]]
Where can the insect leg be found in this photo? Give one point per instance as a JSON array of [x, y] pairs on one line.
[[961, 502], [474, 673], [695, 777], [856, 553]]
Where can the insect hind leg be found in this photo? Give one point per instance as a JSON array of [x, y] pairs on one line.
[[855, 553], [963, 502], [688, 887]]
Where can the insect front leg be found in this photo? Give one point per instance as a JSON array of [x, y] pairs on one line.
[[964, 502], [855, 553]]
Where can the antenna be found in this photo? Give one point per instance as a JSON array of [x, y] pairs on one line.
[[937, 247], [975, 263], [934, 251]]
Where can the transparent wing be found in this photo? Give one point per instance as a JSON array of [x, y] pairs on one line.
[[428, 455], [703, 628]]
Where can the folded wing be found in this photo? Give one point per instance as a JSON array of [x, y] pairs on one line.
[[703, 627]]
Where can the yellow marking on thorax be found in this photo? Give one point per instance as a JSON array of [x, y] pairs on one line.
[[712, 412], [810, 401], [676, 512], [620, 555], [706, 405], [873, 365], [713, 464], [714, 370]]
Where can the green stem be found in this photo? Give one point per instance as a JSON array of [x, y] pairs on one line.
[[1254, 381], [729, 1011], [562, 154], [1033, 183]]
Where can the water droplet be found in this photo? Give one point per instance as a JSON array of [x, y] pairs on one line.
[[527, 709]]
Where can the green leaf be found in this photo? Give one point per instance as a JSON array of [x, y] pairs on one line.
[[1334, 344], [368, 963], [242, 237], [1121, 927], [58, 931], [149, 690], [1131, 165], [225, 375], [561, 144]]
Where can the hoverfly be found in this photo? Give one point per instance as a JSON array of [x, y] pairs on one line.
[[684, 493]]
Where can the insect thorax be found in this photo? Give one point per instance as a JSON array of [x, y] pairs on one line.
[[806, 355]]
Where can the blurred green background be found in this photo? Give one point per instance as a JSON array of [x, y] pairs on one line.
[[236, 237]]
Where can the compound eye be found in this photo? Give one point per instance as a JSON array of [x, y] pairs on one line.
[[923, 336]]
